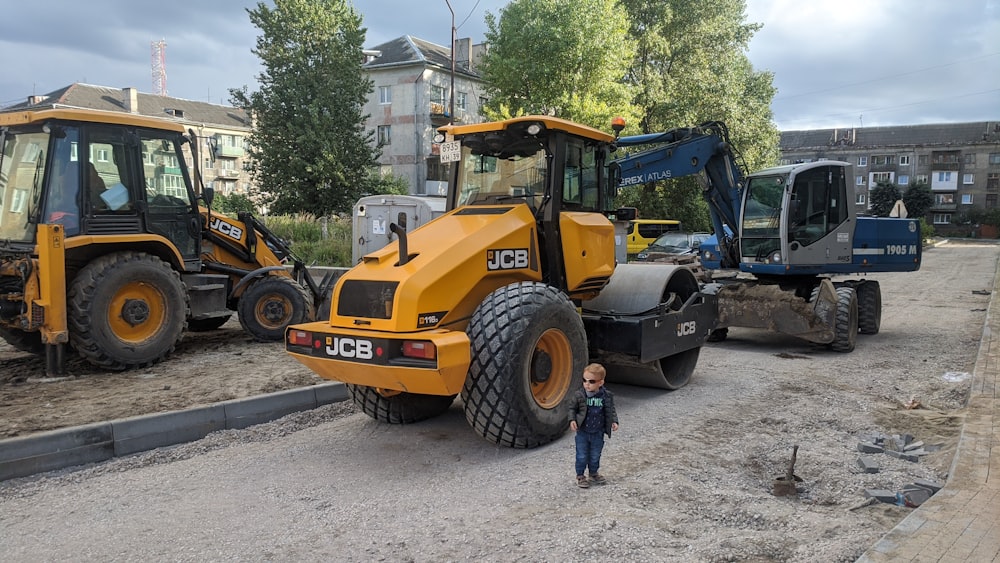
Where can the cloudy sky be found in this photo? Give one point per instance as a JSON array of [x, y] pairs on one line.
[[836, 63]]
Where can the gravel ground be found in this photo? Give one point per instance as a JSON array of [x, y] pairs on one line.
[[690, 472]]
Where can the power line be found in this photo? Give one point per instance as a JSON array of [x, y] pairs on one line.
[[842, 86]]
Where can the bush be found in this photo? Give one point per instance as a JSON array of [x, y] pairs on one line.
[[304, 234]]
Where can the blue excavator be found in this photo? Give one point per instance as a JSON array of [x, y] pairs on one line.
[[786, 231]]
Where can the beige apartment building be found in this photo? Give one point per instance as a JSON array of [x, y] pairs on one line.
[[959, 161], [220, 130]]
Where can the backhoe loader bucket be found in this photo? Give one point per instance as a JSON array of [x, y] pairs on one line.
[[768, 306]]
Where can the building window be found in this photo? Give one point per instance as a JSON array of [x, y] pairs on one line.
[[859, 180], [860, 199], [969, 158], [968, 178], [993, 182], [995, 158], [991, 201], [904, 160], [904, 180], [942, 218], [882, 160], [966, 199], [921, 178], [944, 199], [922, 160], [881, 177], [385, 94], [384, 134], [944, 176], [784, 162], [102, 155], [862, 161], [461, 100], [437, 95]]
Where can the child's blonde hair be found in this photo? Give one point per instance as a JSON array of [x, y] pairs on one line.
[[597, 370]]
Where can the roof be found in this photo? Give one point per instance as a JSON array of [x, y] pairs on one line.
[[90, 96], [10, 118], [938, 134], [409, 50]]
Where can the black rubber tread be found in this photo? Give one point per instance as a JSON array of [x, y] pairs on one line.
[[504, 331], [211, 323], [718, 335], [402, 408], [268, 287], [90, 293], [846, 328], [869, 307], [23, 340]]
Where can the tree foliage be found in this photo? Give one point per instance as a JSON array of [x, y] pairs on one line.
[[565, 58], [918, 200], [233, 204], [691, 67], [308, 150], [883, 197]]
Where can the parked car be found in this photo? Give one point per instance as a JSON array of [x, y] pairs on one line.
[[672, 244]]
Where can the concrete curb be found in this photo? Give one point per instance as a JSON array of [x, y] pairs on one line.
[[57, 449]]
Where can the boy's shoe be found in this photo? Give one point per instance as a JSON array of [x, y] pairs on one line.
[[582, 482], [598, 479]]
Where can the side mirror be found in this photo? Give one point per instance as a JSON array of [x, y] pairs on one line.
[[624, 214], [208, 194]]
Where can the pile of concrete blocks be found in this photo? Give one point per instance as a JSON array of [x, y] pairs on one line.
[[899, 446], [912, 495]]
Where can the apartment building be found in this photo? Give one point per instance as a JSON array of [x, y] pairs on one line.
[[413, 97], [220, 130], [959, 161]]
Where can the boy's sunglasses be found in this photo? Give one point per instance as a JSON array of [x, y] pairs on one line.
[[590, 380]]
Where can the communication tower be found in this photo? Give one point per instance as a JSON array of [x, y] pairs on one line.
[[159, 59]]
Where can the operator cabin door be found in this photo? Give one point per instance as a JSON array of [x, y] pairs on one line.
[[819, 231], [171, 209]]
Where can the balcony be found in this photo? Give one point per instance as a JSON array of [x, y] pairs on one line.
[[944, 207], [229, 152], [222, 173]]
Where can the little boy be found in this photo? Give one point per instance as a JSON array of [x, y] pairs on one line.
[[592, 415]]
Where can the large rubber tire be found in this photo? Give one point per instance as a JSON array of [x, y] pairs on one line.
[[869, 307], [846, 327], [271, 304], [398, 408], [204, 325], [529, 348], [22, 340], [718, 335], [126, 310]]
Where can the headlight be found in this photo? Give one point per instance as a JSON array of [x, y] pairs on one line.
[[775, 257]]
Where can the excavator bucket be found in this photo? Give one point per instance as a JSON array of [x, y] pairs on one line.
[[768, 306]]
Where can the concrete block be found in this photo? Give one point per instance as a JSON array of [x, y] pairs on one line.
[[143, 433], [913, 446], [893, 443], [242, 413], [915, 497], [881, 495], [869, 448], [868, 464], [902, 455], [932, 486], [327, 393], [57, 449]]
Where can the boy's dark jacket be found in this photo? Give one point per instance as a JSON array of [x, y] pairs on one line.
[[578, 409]]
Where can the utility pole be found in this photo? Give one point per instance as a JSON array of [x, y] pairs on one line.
[[451, 101]]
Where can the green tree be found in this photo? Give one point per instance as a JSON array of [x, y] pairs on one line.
[[691, 67], [918, 200], [882, 198], [308, 150], [233, 204], [565, 58]]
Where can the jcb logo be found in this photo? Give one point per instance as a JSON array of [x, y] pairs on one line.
[[687, 328], [507, 259], [222, 227], [341, 347]]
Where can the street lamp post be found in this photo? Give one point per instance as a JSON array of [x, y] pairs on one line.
[[451, 101]]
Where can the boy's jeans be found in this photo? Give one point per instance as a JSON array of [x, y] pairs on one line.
[[588, 451]]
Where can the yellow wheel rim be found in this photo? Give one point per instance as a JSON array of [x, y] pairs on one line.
[[136, 312], [551, 368], [273, 311]]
